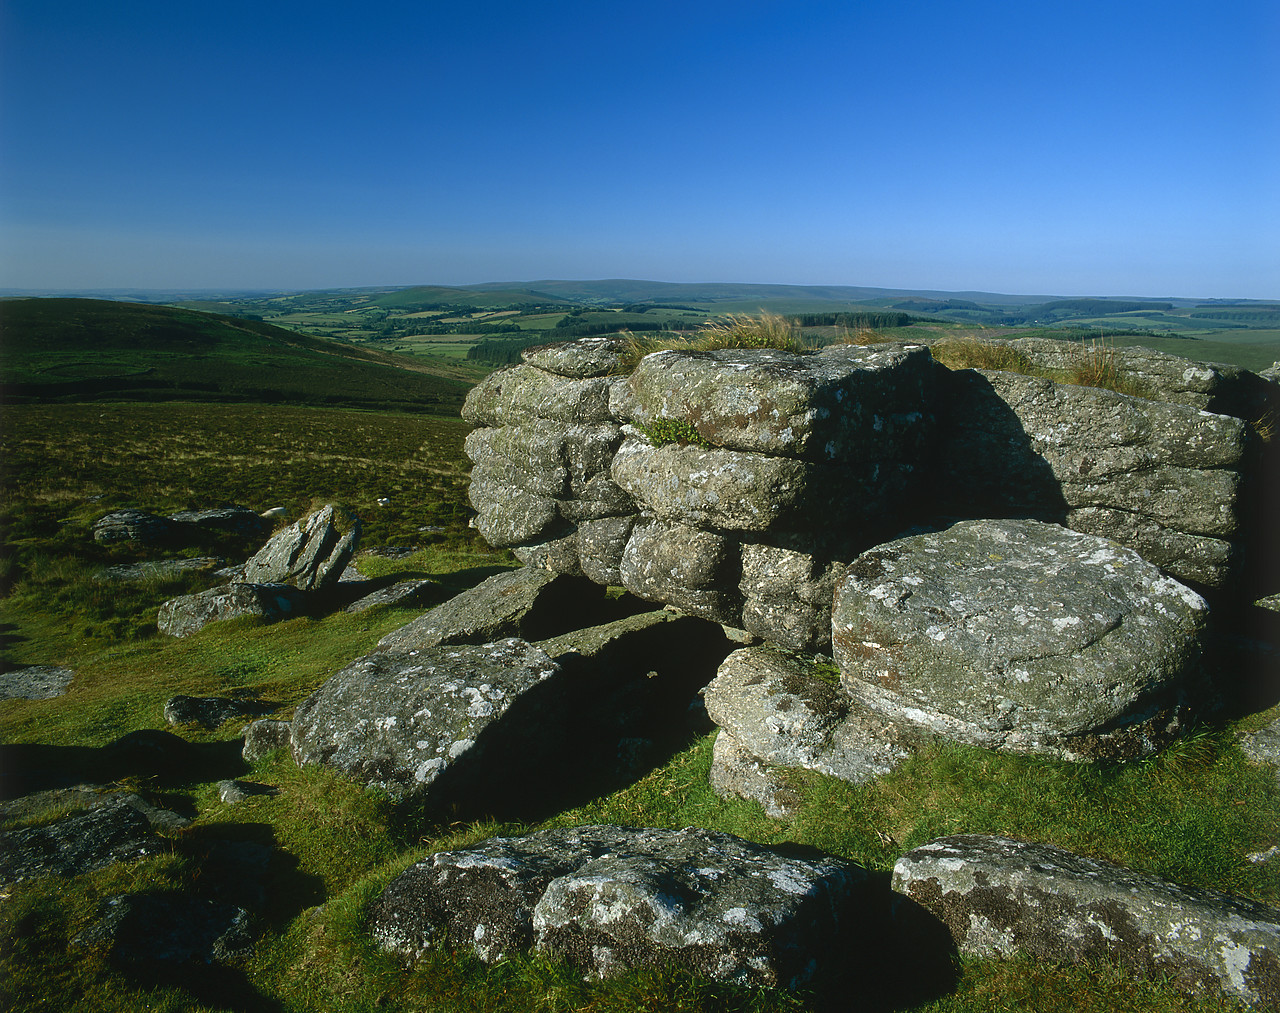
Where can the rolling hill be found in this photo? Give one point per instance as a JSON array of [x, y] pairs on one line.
[[88, 349]]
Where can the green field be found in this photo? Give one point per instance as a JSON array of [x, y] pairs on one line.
[[1192, 813]]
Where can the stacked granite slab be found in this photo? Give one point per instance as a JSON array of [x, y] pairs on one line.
[[731, 484]]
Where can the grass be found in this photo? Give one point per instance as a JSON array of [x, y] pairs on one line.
[[1192, 813], [767, 330]]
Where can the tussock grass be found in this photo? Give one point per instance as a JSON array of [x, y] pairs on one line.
[[1097, 363], [735, 330]]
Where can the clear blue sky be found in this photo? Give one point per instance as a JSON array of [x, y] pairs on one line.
[[1100, 148]]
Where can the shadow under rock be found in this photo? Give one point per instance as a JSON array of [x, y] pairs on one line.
[[165, 759]]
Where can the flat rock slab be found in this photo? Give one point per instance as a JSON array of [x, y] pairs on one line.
[[1019, 635], [113, 831], [211, 711], [132, 526], [610, 898], [35, 682], [141, 930], [309, 554], [845, 404], [402, 594], [181, 617], [239, 520], [399, 721], [159, 569], [999, 897], [530, 603], [580, 359]]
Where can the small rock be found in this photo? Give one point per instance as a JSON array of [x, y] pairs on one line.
[[150, 929], [234, 792], [181, 617], [111, 832], [132, 526], [309, 554], [35, 682], [402, 594], [158, 569], [264, 737], [210, 711]]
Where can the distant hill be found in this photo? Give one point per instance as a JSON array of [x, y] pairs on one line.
[[88, 349]]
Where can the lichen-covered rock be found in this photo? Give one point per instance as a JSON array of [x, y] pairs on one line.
[[35, 682], [140, 930], [692, 569], [237, 519], [210, 711], [1018, 635], [183, 616], [399, 720], [778, 711], [511, 396], [158, 569], [132, 526], [1085, 455], [530, 603], [999, 897], [611, 898], [263, 737], [786, 596], [587, 357], [309, 554], [109, 832], [601, 544], [847, 403], [401, 594], [1263, 746]]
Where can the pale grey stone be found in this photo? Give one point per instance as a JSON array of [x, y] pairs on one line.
[[1000, 897], [586, 357], [611, 898], [309, 554], [35, 682], [786, 596], [264, 737], [399, 720], [694, 570], [529, 602], [1019, 635], [401, 594], [601, 544], [181, 617], [847, 403], [510, 396]]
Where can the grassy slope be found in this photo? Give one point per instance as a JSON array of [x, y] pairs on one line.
[[1191, 814], [78, 349]]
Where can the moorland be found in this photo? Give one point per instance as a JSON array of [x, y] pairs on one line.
[[293, 400]]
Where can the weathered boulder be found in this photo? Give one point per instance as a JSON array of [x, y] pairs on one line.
[[587, 357], [511, 396], [776, 710], [786, 596], [400, 720], [109, 832], [999, 897], [611, 898], [309, 554], [159, 569], [140, 930], [263, 737], [1217, 387], [692, 569], [401, 594], [238, 520], [530, 603], [35, 682], [211, 711], [132, 526], [846, 403], [1263, 745], [1019, 635], [600, 545], [183, 616], [1161, 478]]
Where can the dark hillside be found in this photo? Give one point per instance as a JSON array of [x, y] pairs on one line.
[[87, 349]]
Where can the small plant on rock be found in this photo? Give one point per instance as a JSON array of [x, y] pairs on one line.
[[663, 431]]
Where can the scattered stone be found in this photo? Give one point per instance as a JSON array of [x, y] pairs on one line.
[[1262, 857], [1019, 635], [234, 792], [402, 594], [132, 526], [148, 929], [264, 737], [611, 898], [110, 832], [211, 711], [181, 617], [1263, 746], [530, 603], [309, 554], [392, 551], [237, 520], [400, 720], [35, 682], [159, 569], [999, 897]]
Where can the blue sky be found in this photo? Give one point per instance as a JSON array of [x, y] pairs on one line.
[[1100, 148]]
